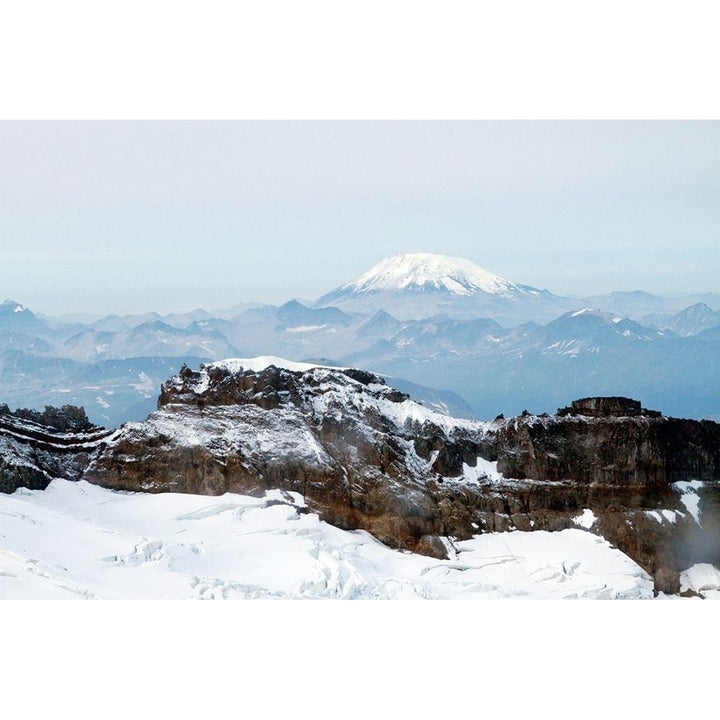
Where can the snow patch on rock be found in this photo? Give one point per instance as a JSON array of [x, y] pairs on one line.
[[586, 519], [689, 496]]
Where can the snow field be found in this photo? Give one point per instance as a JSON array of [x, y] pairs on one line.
[[702, 578], [76, 540]]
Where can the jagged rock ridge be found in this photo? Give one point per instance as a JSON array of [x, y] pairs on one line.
[[366, 456], [362, 453], [650, 483], [36, 447]]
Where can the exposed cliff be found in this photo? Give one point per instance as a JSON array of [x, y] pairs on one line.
[[361, 453], [366, 456], [37, 447], [652, 483]]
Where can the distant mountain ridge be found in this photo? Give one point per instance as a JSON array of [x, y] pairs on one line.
[[418, 285], [693, 320], [438, 322], [457, 276]]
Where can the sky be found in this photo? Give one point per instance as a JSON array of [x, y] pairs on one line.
[[130, 216]]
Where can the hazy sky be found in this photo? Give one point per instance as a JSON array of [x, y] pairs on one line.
[[101, 216]]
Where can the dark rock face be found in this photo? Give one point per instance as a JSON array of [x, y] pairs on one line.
[[627, 451], [667, 581], [607, 407], [36, 447], [626, 470], [328, 435], [67, 418]]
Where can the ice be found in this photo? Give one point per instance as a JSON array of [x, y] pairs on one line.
[[689, 497], [663, 515], [305, 328], [78, 540], [484, 469], [586, 519], [260, 363], [703, 578]]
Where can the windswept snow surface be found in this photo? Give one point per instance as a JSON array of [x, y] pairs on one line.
[[702, 578], [76, 540], [258, 364]]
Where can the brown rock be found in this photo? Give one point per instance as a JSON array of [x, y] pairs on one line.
[[328, 435], [667, 581]]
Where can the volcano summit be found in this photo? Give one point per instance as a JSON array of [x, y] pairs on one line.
[[423, 284]]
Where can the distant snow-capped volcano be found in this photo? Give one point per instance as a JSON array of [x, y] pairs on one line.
[[424, 284], [424, 271]]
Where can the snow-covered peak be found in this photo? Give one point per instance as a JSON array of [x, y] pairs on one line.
[[424, 270], [12, 306]]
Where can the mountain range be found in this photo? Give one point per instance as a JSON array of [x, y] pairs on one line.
[[458, 335]]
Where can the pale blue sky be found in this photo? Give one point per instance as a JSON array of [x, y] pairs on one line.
[[133, 216]]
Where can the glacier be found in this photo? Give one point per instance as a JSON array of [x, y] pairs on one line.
[[77, 540]]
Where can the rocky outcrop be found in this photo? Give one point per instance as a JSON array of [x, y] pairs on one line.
[[67, 418], [36, 447], [607, 407], [632, 471], [618, 451], [364, 455]]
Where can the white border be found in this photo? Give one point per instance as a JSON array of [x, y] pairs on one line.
[[364, 60], [358, 60]]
